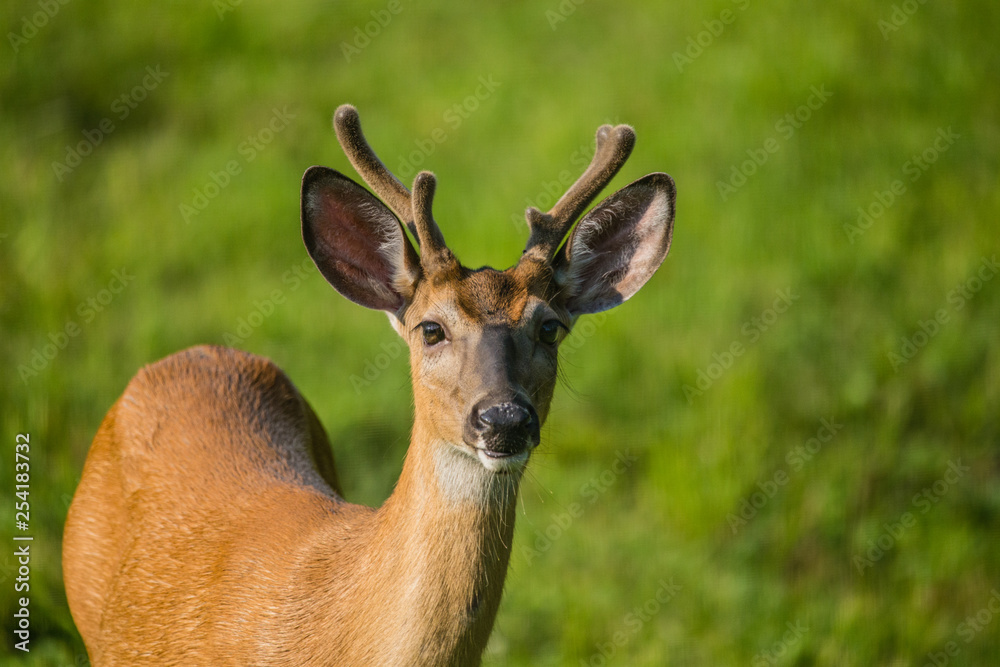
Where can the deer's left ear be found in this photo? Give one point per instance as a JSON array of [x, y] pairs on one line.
[[617, 246], [356, 242]]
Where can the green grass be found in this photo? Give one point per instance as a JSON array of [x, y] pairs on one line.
[[669, 517]]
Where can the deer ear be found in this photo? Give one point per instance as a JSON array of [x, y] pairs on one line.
[[617, 246], [356, 242]]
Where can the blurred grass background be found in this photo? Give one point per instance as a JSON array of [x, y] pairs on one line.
[[730, 537]]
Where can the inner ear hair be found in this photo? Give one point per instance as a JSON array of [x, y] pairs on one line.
[[617, 246]]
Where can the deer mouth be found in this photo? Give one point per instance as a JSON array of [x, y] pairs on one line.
[[503, 461]]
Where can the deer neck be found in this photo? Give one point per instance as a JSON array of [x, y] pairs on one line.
[[443, 541]]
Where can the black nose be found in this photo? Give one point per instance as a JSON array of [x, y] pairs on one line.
[[507, 427], [505, 416]]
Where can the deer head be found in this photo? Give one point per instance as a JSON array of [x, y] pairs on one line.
[[483, 342]]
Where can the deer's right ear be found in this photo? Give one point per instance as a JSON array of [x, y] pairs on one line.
[[356, 242]]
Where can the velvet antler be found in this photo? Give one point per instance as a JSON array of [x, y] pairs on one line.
[[614, 144], [414, 210]]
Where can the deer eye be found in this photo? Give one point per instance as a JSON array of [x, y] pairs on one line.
[[433, 333], [549, 331]]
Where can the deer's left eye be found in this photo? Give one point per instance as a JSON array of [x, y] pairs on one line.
[[549, 332], [433, 333]]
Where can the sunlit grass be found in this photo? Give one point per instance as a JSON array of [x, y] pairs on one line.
[[702, 458]]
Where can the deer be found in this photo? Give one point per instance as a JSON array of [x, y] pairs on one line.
[[209, 525]]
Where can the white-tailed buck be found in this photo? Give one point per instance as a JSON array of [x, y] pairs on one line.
[[209, 527]]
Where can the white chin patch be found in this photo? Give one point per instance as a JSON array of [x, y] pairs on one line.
[[467, 474], [502, 463]]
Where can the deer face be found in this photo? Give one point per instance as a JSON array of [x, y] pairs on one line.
[[483, 343], [483, 350]]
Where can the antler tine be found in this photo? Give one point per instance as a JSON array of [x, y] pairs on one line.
[[348, 127], [614, 145], [434, 252]]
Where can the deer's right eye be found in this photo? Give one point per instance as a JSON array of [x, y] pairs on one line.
[[433, 333], [549, 332]]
